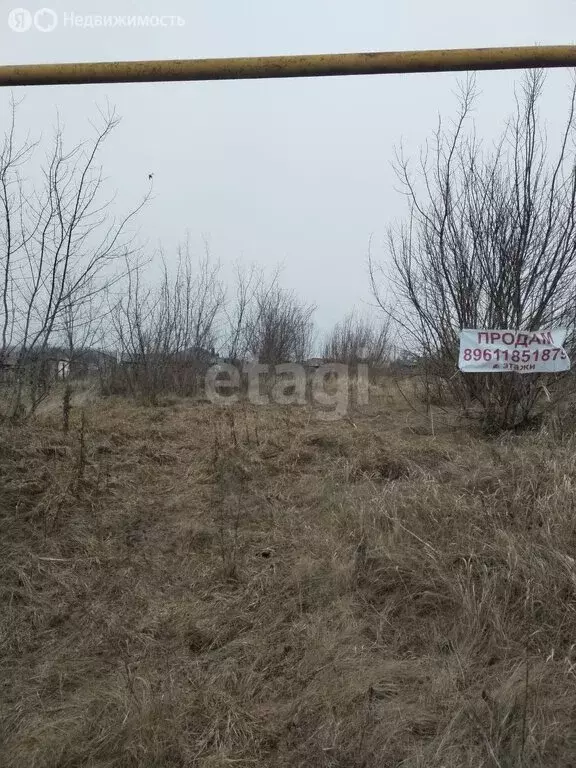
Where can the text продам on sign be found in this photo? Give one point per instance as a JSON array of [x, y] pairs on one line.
[[508, 351]]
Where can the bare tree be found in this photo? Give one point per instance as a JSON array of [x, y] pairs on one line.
[[166, 333], [489, 242], [192, 303], [82, 336], [247, 299], [280, 328], [357, 339], [61, 245], [140, 338]]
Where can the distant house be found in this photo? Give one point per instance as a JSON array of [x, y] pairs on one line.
[[48, 364], [314, 362], [127, 358], [8, 367], [407, 360], [192, 356], [62, 368], [90, 362], [199, 355], [51, 363]]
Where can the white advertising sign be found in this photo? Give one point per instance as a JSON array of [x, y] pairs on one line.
[[509, 351]]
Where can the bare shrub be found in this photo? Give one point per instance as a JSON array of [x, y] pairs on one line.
[[250, 289], [280, 328], [489, 243], [359, 340], [166, 334]]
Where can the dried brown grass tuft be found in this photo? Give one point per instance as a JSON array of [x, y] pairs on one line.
[[256, 587]]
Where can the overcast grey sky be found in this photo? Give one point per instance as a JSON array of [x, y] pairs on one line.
[[294, 171]]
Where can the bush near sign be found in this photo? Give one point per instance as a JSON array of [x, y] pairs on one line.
[[513, 351]]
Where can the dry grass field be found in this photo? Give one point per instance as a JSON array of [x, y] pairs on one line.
[[190, 585]]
